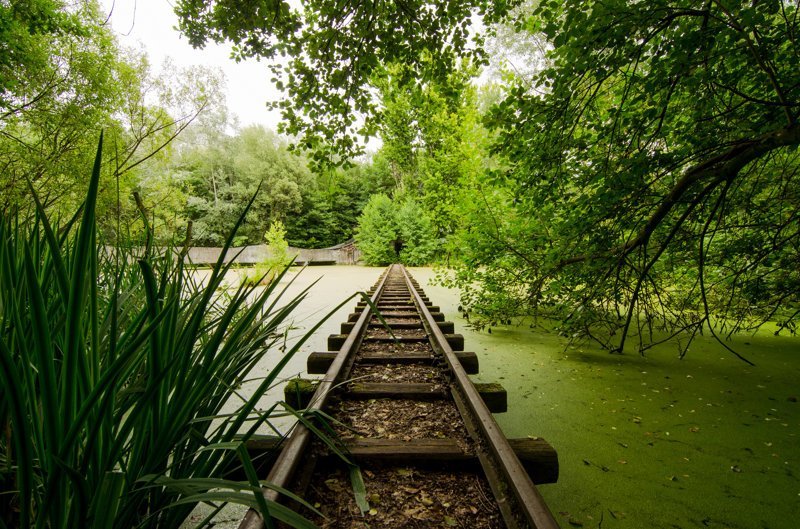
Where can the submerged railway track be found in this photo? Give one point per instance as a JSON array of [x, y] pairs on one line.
[[429, 451]]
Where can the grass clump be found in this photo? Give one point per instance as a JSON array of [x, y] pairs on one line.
[[114, 373]]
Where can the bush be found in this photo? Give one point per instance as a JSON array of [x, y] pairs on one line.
[[388, 233], [377, 232], [417, 234], [277, 259]]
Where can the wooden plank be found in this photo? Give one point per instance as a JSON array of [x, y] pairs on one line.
[[456, 341], [347, 327], [395, 358], [437, 316], [297, 392], [375, 324], [447, 327], [469, 361], [397, 450], [385, 337], [538, 458], [318, 363], [395, 306], [395, 390], [494, 396], [335, 341]]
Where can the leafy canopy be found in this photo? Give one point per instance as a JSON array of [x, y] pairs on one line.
[[326, 53], [388, 233], [653, 168]]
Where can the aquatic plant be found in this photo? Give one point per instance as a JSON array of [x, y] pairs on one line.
[[114, 375]]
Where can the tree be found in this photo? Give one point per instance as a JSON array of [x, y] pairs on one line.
[[224, 174], [59, 88], [377, 235], [63, 78], [26, 30], [391, 231], [331, 206], [653, 168], [417, 234], [430, 146], [334, 48], [277, 259]]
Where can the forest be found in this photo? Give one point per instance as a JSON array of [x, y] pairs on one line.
[[622, 173]]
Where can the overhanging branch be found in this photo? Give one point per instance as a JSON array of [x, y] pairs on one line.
[[725, 166]]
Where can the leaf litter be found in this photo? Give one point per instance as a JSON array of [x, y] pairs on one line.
[[402, 497]]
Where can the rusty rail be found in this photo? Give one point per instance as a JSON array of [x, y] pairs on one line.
[[499, 455], [518, 500], [286, 464]]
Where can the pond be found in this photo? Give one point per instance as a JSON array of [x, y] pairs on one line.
[[654, 441], [643, 442]]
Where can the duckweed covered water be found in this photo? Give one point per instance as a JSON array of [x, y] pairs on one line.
[[652, 442]]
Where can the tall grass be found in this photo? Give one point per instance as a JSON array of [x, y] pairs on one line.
[[114, 376]]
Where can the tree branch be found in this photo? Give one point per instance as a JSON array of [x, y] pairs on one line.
[[726, 166]]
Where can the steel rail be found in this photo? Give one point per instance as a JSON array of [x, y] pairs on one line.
[[530, 503], [290, 457]]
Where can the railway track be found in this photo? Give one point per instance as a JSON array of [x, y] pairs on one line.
[[429, 451]]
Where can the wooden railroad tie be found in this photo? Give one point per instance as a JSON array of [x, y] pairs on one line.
[[298, 392], [318, 363], [537, 456], [456, 341], [406, 364]]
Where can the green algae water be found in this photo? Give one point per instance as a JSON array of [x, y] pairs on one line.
[[654, 441], [643, 442]]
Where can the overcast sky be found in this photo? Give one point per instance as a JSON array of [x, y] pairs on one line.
[[150, 24]]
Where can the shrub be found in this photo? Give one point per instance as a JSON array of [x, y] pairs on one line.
[[389, 232], [277, 258]]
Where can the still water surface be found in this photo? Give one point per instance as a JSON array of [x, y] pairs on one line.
[[643, 442]]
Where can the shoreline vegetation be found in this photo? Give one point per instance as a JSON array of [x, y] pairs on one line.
[[652, 441], [115, 374]]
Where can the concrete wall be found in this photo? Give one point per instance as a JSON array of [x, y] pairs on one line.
[[346, 253]]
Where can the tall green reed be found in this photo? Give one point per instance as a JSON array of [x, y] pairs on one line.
[[114, 377]]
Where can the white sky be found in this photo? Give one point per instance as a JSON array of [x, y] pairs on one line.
[[150, 24]]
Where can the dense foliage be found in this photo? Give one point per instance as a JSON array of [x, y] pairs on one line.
[[215, 174], [391, 231], [644, 168], [64, 78], [177, 167], [334, 49], [653, 171]]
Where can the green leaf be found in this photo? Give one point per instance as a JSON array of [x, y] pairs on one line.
[[359, 489]]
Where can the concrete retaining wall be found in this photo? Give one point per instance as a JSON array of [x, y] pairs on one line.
[[346, 253]]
